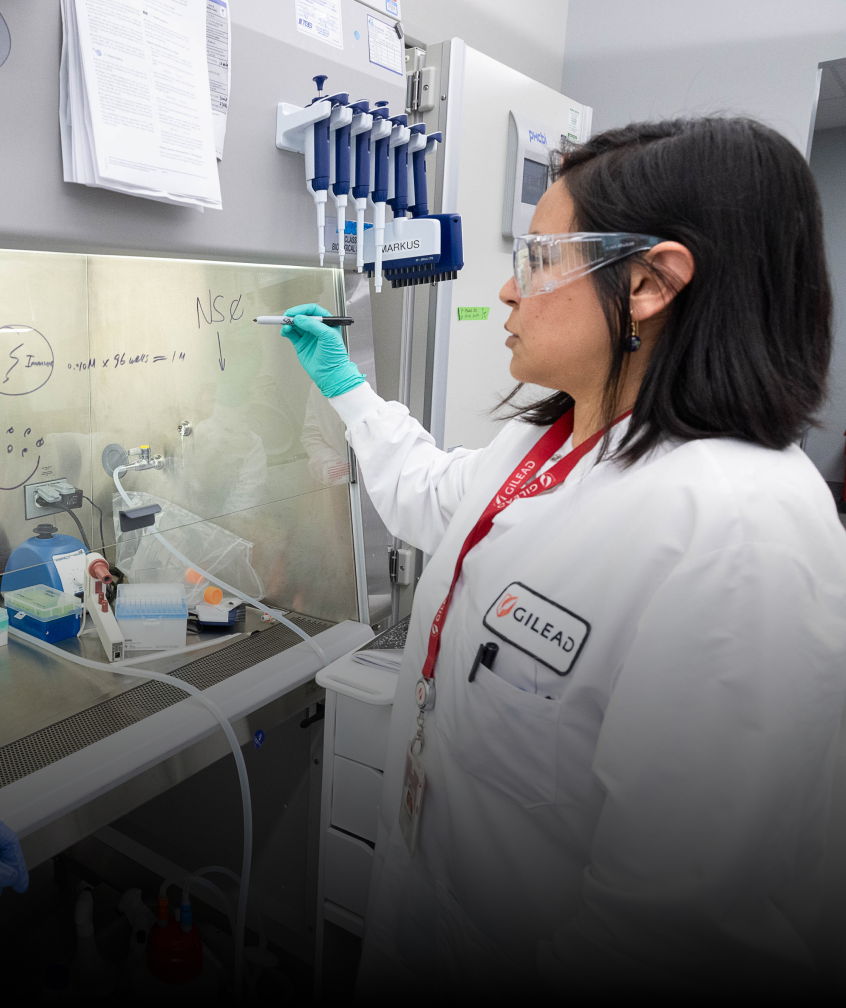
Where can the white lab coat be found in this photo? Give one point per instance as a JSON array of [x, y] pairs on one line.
[[656, 817]]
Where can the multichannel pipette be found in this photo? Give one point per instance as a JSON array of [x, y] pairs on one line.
[[398, 176], [339, 166], [422, 248], [380, 160], [361, 126], [419, 147], [330, 320]]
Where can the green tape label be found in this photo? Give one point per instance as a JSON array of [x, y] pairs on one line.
[[473, 314]]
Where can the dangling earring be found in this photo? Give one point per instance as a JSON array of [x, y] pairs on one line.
[[632, 342]]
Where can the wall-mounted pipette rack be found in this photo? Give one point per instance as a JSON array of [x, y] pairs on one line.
[[355, 151]]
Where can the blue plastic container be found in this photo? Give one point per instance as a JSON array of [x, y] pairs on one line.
[[44, 612], [31, 562]]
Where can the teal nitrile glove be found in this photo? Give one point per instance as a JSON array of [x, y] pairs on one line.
[[321, 351]]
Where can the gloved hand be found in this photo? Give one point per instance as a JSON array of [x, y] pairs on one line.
[[12, 865], [321, 351]]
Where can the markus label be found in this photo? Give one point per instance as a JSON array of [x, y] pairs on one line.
[[538, 626]]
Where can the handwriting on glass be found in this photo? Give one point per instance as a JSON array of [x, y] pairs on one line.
[[26, 360], [20, 446], [217, 313], [119, 359]]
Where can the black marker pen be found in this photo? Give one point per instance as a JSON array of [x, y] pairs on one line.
[[486, 655]]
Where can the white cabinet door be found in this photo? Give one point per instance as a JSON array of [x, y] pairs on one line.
[[361, 731], [347, 871], [356, 790]]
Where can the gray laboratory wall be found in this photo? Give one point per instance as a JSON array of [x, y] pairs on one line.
[[635, 61], [527, 36], [825, 444]]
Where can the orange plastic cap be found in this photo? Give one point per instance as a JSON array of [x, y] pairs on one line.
[[212, 595], [192, 577]]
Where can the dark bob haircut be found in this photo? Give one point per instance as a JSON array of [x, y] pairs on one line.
[[745, 349]]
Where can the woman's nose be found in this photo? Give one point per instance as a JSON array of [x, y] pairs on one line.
[[509, 294]]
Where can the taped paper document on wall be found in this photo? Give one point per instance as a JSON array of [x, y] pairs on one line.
[[134, 104], [322, 20], [218, 54]]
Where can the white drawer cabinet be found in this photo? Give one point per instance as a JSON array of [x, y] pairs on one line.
[[361, 731], [356, 790], [359, 701], [347, 871]]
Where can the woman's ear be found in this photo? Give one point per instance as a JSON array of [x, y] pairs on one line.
[[652, 289]]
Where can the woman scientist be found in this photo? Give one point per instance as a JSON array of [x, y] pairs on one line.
[[632, 792]]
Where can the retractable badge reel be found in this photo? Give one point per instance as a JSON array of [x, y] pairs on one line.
[[415, 776]]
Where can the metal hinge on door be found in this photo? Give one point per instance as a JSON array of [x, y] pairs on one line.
[[419, 90], [401, 566]]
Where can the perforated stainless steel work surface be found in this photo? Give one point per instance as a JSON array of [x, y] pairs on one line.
[[54, 742], [391, 639]]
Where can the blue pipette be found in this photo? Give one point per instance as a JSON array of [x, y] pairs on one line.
[[398, 176], [339, 162], [360, 132], [380, 160], [317, 165], [419, 147], [317, 158]]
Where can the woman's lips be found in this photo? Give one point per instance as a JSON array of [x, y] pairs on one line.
[[511, 340]]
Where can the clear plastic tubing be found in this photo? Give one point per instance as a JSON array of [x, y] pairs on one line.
[[246, 803], [121, 470]]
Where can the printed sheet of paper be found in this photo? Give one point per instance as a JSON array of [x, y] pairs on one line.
[[134, 99], [218, 53], [322, 20], [386, 49]]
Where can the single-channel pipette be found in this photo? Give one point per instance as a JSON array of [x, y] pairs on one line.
[[360, 131], [317, 157], [339, 166], [317, 165], [330, 320], [380, 160]]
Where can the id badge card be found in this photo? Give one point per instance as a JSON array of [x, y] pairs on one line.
[[412, 800]]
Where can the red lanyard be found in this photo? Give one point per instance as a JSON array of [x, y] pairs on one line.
[[513, 488]]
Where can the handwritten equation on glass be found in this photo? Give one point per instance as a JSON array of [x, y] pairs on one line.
[[218, 313]]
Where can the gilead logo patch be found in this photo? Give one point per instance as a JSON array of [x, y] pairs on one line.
[[538, 626]]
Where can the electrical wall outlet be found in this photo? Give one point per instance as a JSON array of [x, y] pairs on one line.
[[31, 509]]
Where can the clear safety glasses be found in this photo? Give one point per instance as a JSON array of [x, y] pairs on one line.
[[544, 262]]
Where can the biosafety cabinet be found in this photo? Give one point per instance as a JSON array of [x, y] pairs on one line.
[[127, 334]]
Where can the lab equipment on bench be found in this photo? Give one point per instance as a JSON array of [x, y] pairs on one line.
[[152, 617], [207, 529], [47, 558], [44, 612], [97, 577], [332, 320]]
